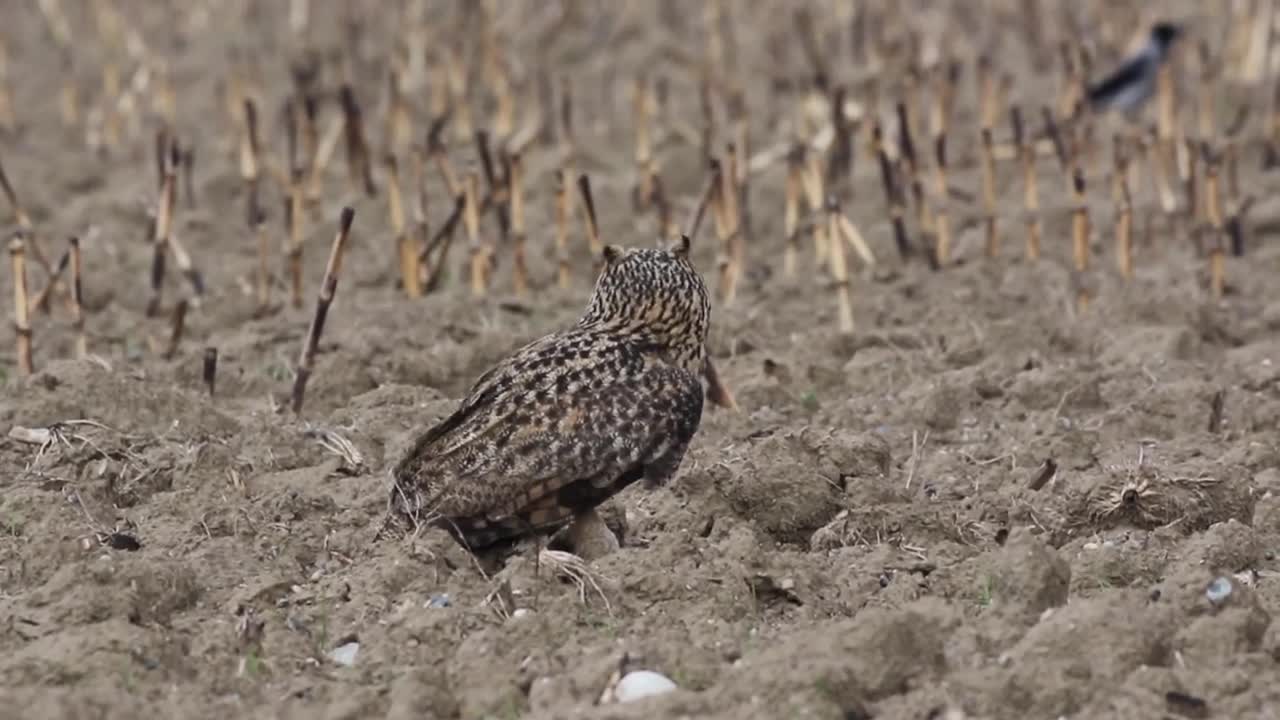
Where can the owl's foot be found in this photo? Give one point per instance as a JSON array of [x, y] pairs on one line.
[[589, 538]]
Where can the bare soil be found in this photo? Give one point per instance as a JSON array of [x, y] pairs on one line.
[[860, 539]]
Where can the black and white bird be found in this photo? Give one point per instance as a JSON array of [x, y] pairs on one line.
[[1129, 86]]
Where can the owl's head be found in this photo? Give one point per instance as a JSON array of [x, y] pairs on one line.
[[656, 292]]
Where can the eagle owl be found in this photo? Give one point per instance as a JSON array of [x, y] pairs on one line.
[[564, 423]]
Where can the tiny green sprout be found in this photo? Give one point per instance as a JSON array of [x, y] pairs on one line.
[[810, 400], [823, 686], [986, 591], [510, 709], [252, 664]]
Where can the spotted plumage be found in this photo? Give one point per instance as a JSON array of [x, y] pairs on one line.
[[574, 417]]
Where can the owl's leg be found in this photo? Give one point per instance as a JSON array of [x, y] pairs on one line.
[[589, 537]]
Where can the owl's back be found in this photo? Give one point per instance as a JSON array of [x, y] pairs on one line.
[[554, 430]]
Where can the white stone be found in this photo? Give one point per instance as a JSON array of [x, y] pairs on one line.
[[639, 684], [345, 654]]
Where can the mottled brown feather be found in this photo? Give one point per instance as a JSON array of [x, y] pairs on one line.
[[574, 417]]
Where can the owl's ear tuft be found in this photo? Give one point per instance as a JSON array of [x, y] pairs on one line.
[[681, 246], [611, 254]]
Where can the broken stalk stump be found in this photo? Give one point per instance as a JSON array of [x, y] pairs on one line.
[[306, 361], [642, 195], [210, 370], [294, 218], [20, 217], [264, 262], [989, 194], [21, 314], [811, 181], [907, 156], [791, 211], [662, 204], [324, 151], [1080, 236], [704, 199], [1124, 230], [23, 221], [1213, 213], [436, 153], [188, 157], [1158, 158], [737, 203], [724, 210], [496, 197], [1030, 189], [444, 239], [515, 181], [249, 170], [942, 224], [77, 300], [175, 334], [717, 392], [41, 301], [160, 242], [563, 200], [839, 268], [479, 253], [893, 194], [359, 162], [589, 217], [1216, 409], [406, 255]]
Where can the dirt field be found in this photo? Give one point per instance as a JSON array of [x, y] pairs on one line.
[[862, 538]]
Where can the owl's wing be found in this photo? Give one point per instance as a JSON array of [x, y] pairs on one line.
[[535, 463], [485, 392]]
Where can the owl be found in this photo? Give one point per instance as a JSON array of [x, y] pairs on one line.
[[569, 420]]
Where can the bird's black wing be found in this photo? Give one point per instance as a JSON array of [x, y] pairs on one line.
[[1128, 75]]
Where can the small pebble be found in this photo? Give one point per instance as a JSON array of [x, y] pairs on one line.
[[639, 684], [439, 601], [1218, 591], [521, 612], [345, 654]]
